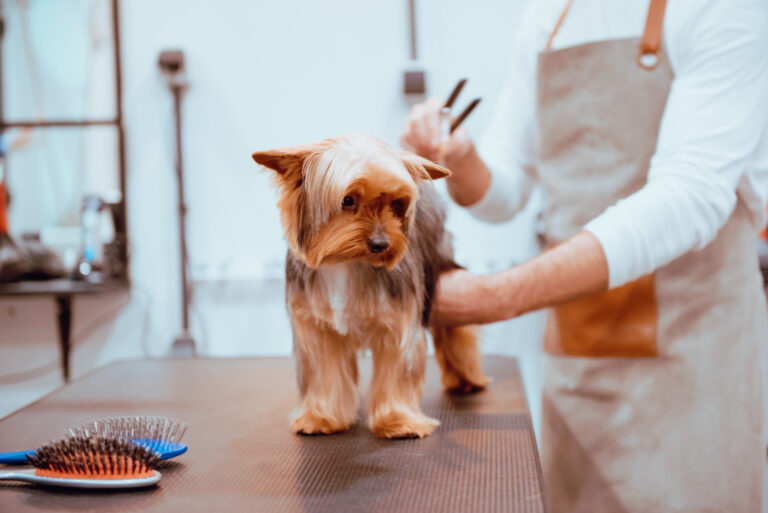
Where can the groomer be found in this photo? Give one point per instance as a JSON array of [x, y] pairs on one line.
[[647, 127]]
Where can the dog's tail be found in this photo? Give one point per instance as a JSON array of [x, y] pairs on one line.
[[458, 353]]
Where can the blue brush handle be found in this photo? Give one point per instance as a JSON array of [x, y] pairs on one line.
[[15, 457], [166, 450]]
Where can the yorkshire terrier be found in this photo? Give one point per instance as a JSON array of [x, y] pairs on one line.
[[366, 246]]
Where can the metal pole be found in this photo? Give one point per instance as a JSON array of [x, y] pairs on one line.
[[120, 132], [2, 98], [184, 344], [177, 91], [412, 18], [4, 223]]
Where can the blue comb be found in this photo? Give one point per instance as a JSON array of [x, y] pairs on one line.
[[157, 434]]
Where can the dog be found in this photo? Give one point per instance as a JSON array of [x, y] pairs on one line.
[[366, 245]]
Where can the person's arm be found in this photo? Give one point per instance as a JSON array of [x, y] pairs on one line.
[[573, 269], [493, 180], [715, 120], [471, 178], [711, 145]]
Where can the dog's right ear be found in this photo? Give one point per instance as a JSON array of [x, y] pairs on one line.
[[288, 161]]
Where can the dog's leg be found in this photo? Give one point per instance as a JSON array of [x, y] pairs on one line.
[[395, 393], [458, 354], [326, 367]]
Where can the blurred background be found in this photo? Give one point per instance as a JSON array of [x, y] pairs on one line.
[[257, 75]]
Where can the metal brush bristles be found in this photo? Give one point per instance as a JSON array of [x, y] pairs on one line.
[[133, 428], [93, 458]]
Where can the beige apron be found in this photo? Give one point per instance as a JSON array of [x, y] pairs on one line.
[[653, 393]]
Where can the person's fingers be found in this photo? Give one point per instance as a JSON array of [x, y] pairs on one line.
[[433, 104], [432, 118], [422, 130], [406, 143], [432, 130], [416, 136], [458, 144]]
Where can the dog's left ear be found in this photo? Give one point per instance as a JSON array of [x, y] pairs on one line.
[[288, 161], [422, 168]]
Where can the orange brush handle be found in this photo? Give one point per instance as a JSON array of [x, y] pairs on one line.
[[3, 209]]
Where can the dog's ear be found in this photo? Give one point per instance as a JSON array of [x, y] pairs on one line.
[[288, 161], [421, 168]]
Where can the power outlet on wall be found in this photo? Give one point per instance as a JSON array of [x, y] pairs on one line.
[[415, 82]]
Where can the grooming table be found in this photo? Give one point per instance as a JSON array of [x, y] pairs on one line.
[[243, 457]]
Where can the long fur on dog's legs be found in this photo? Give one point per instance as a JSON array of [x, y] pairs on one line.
[[395, 393], [458, 353], [326, 366]]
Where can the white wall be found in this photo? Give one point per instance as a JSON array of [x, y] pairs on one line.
[[264, 74]]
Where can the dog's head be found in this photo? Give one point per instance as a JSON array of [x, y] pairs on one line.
[[348, 198]]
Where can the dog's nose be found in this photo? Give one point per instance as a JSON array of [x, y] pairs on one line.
[[378, 244]]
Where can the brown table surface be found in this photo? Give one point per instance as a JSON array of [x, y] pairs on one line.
[[243, 457]]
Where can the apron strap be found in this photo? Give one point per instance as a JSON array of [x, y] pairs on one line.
[[559, 22], [650, 43]]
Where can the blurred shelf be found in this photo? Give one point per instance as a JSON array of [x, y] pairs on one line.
[[62, 291], [60, 287]]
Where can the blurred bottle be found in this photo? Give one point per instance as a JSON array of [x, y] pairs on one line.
[[89, 265]]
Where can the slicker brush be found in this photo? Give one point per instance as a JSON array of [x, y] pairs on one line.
[[158, 434], [93, 462]]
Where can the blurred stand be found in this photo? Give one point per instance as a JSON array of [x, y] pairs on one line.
[[171, 63]]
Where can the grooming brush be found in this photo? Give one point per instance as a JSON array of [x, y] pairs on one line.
[[157, 434], [90, 463]]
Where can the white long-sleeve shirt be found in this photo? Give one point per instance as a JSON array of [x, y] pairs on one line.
[[713, 141]]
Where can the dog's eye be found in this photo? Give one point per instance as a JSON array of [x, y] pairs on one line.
[[399, 206], [348, 201]]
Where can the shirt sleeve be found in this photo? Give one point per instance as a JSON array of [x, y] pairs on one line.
[[715, 118], [508, 146]]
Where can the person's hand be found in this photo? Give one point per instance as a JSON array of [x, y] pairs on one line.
[[571, 270], [465, 298], [422, 135]]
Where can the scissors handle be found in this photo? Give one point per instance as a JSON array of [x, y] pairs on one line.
[[455, 94], [466, 112]]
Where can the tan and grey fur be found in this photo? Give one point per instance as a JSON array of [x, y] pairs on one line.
[[366, 246]]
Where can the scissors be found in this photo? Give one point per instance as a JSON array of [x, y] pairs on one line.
[[448, 126]]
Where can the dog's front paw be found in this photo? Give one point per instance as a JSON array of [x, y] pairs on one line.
[[401, 425], [311, 424]]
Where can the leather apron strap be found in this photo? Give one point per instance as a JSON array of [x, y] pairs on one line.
[[650, 43], [557, 25]]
